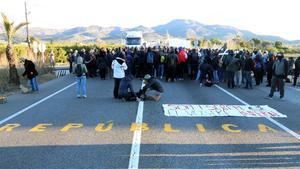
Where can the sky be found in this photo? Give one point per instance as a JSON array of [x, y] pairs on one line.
[[265, 17]]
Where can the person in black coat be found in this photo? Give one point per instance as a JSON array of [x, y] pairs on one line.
[[269, 69], [31, 73], [103, 63], [152, 87]]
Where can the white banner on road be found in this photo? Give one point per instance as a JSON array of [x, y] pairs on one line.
[[189, 110]]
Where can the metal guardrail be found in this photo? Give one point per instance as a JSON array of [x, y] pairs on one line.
[[60, 72]]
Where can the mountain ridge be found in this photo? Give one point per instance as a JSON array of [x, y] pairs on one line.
[[179, 28]]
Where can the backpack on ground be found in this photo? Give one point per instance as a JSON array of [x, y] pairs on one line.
[[150, 58], [78, 70]]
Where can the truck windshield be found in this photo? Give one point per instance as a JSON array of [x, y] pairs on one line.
[[133, 41]]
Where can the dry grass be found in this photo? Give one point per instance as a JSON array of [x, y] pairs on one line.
[[45, 74]]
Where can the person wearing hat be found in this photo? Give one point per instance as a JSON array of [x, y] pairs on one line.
[[280, 72], [153, 87], [31, 73]]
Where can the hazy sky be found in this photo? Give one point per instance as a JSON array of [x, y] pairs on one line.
[[271, 17]]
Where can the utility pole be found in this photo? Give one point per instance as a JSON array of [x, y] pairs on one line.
[[27, 28]]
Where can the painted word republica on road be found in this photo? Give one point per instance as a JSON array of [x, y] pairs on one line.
[[108, 126], [189, 110]]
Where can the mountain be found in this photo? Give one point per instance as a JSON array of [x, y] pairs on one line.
[[176, 28]]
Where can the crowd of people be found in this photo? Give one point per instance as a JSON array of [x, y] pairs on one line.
[[236, 68]]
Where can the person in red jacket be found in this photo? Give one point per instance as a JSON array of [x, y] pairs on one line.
[[182, 58]]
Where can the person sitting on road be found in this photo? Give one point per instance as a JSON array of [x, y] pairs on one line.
[[153, 87], [126, 91]]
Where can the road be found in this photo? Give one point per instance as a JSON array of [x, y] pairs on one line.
[[54, 129]]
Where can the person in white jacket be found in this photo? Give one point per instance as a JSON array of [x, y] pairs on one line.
[[118, 66]]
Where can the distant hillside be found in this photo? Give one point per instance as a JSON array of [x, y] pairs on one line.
[[176, 28]]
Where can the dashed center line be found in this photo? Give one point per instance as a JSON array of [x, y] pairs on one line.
[[136, 142]]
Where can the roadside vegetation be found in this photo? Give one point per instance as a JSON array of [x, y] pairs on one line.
[[10, 53]]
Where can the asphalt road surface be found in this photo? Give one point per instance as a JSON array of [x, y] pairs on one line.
[[54, 129]]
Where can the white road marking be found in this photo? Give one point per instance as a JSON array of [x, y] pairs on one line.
[[215, 110], [35, 104], [296, 135], [136, 141]]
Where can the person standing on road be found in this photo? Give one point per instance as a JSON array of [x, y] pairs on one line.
[[248, 69], [269, 69], [31, 73], [118, 66], [70, 60], [182, 58], [258, 73], [150, 60], [161, 64], [238, 72], [74, 57], [80, 71], [194, 63], [297, 70], [291, 63], [102, 62], [171, 63], [280, 70], [52, 59], [231, 68]]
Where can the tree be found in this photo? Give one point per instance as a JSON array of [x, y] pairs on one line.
[[215, 41], [256, 41], [278, 44], [10, 33]]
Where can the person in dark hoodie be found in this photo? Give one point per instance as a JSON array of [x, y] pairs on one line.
[[31, 73], [152, 87], [118, 66], [269, 69], [126, 91], [206, 69], [248, 69], [297, 70], [102, 63]]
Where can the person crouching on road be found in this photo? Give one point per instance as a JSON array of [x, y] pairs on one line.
[[126, 91], [80, 71], [153, 87], [31, 73], [118, 66]]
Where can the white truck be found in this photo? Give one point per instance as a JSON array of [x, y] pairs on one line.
[[134, 39]]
